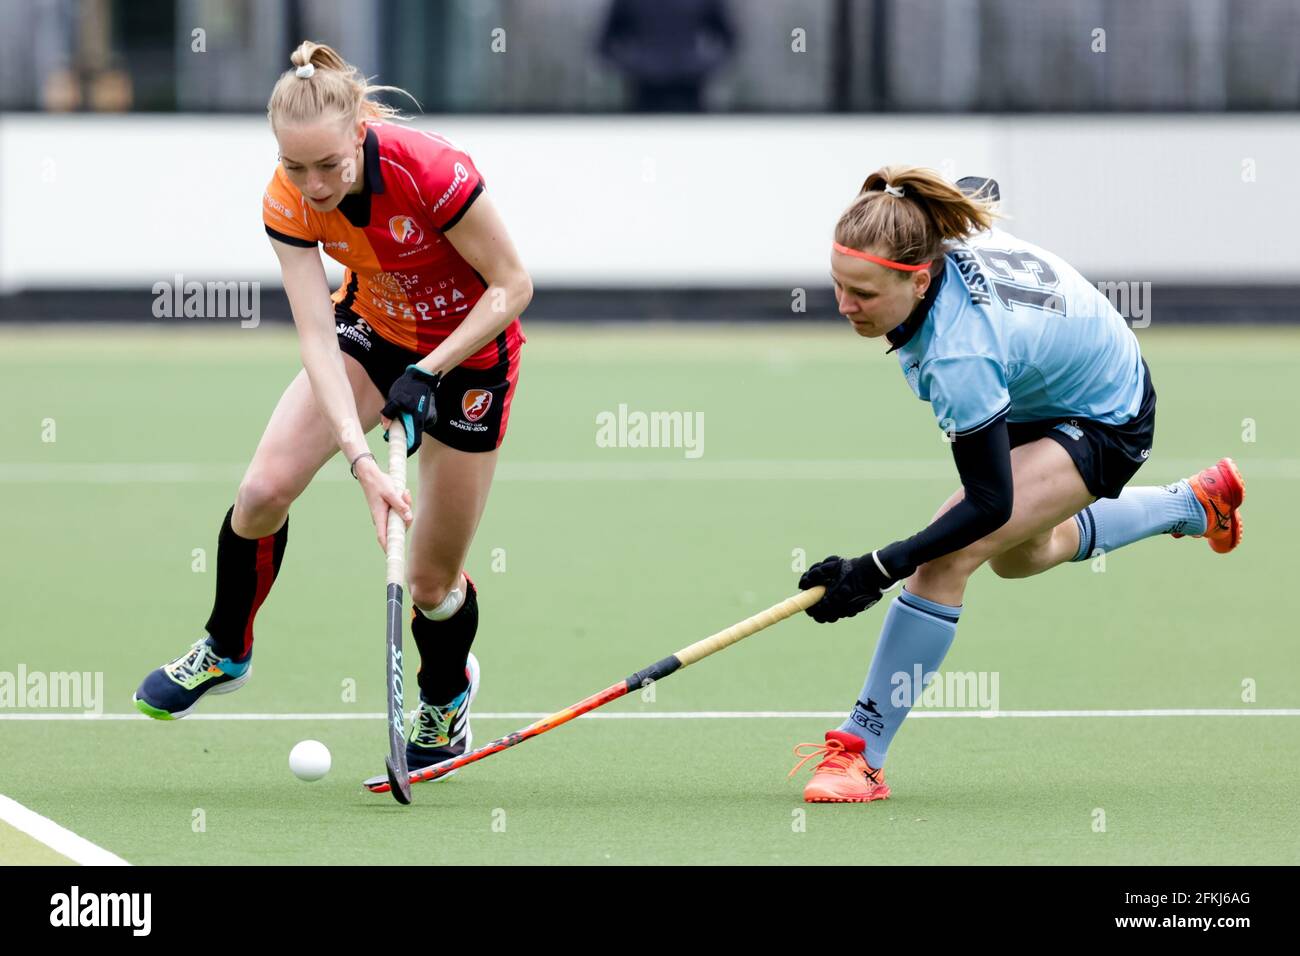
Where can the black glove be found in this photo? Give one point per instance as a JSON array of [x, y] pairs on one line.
[[852, 585], [411, 398]]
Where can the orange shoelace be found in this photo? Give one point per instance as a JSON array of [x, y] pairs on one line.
[[836, 757]]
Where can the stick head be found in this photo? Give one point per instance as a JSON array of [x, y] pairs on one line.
[[398, 784]]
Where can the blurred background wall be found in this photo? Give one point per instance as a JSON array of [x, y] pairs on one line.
[[569, 56], [699, 145]]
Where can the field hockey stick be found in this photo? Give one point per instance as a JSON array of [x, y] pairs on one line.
[[398, 774], [642, 678]]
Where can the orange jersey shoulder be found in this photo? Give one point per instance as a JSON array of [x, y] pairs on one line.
[[284, 211]]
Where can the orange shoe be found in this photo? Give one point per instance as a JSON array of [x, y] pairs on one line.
[[843, 776], [1220, 490]]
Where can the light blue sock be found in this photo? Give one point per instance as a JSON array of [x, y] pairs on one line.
[[914, 639], [1138, 513]]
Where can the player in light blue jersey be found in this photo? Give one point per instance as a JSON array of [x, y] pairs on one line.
[[1039, 387]]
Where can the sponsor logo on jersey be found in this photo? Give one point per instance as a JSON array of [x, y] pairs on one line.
[[278, 206], [913, 375], [406, 230], [475, 403], [459, 175], [359, 333]]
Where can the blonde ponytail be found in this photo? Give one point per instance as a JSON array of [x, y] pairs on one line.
[[322, 85]]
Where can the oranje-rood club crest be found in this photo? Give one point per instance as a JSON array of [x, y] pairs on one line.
[[476, 403], [406, 230]]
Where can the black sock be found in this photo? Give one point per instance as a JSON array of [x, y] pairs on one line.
[[246, 569], [444, 648]]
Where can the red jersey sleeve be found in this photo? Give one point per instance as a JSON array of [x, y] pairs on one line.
[[449, 182], [285, 215]]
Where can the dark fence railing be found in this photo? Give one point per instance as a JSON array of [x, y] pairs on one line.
[[567, 56]]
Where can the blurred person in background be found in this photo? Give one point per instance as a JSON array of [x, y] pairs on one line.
[[667, 49], [73, 55]]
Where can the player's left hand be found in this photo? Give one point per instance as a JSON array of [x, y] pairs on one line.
[[852, 585], [412, 397]]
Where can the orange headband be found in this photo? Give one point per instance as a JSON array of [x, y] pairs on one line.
[[845, 250]]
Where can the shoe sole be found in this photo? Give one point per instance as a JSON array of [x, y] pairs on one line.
[[870, 799], [1236, 496], [226, 688]]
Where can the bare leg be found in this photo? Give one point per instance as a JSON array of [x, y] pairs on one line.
[[453, 492], [297, 442], [1039, 553], [1048, 490]]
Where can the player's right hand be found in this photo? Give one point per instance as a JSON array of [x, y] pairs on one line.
[[852, 585], [381, 497], [411, 397]]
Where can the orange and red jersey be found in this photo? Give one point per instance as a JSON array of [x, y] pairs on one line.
[[403, 277]]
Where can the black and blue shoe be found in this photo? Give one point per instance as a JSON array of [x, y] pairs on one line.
[[441, 731], [173, 690]]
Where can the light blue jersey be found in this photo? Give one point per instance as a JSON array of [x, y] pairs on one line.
[[1015, 330]]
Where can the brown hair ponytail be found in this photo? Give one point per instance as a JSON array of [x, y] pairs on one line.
[[906, 213]]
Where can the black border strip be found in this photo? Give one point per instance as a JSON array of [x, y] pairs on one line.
[[903, 597], [1005, 409], [465, 208], [1238, 308], [291, 240]]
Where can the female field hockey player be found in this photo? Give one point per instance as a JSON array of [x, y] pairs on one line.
[[425, 326], [1039, 386]]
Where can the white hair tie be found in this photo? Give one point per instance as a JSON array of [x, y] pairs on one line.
[[896, 191], [306, 70]]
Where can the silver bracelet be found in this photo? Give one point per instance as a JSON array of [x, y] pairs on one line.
[[364, 454]]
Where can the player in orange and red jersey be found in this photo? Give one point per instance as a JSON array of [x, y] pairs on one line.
[[425, 326]]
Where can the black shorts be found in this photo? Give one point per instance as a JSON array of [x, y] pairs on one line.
[[1107, 456], [473, 404]]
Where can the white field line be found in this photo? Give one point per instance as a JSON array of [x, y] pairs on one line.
[[703, 469], [57, 838], [711, 714]]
